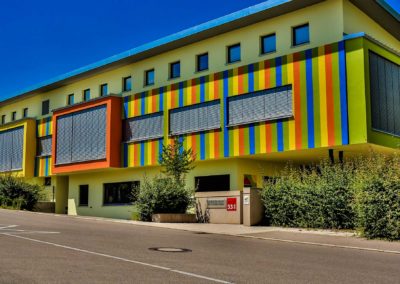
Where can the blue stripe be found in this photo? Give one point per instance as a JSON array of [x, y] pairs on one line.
[[161, 99], [251, 78], [46, 167], [181, 141], [181, 94], [142, 153], [126, 100], [252, 139], [143, 102], [343, 93], [202, 146], [160, 147], [125, 156], [310, 99], [280, 135], [225, 121], [202, 89], [278, 63]]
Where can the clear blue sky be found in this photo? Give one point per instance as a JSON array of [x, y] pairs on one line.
[[44, 38]]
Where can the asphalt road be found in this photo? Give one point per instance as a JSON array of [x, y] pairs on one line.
[[37, 248]]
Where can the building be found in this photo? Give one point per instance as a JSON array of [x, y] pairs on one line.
[[281, 81]]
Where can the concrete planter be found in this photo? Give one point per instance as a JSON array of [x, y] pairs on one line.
[[174, 218]]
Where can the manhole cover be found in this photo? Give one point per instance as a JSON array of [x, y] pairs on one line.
[[171, 249]]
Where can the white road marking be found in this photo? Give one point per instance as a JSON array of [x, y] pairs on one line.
[[194, 275], [10, 229], [7, 226]]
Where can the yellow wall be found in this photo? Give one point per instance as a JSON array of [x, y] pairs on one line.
[[236, 168], [356, 21], [322, 17]]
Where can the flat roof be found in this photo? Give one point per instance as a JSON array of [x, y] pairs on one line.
[[379, 10]]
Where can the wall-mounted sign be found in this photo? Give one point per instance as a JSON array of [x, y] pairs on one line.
[[246, 200], [216, 203], [231, 204]]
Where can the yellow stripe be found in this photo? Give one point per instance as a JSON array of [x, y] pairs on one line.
[[291, 124], [211, 144], [236, 142], [149, 103], [168, 94], [263, 142], [235, 82], [322, 93], [261, 75]]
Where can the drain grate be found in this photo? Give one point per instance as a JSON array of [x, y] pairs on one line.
[[171, 249]]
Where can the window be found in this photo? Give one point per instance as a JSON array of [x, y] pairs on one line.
[[212, 183], [3, 119], [44, 146], [127, 84], [45, 107], [84, 195], [47, 181], [104, 90], [301, 35], [11, 149], [202, 62], [174, 70], [70, 100], [13, 116], [149, 77], [268, 43], [195, 118], [25, 112], [119, 193], [260, 106], [86, 95], [234, 53], [144, 127]]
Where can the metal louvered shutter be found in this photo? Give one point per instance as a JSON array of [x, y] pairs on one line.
[[195, 118], [44, 146], [64, 139], [5, 150], [260, 106], [144, 127], [17, 148], [385, 94]]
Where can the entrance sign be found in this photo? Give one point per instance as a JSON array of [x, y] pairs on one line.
[[231, 204], [216, 203]]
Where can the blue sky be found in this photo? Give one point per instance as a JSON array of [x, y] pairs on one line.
[[42, 39]]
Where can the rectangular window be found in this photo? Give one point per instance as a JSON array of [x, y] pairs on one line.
[[301, 34], [127, 84], [120, 193], [195, 118], [3, 119], [44, 146], [268, 43], [86, 95], [70, 99], [81, 136], [202, 62], [104, 90], [47, 181], [84, 195], [212, 183], [11, 149], [13, 116], [25, 112], [45, 107], [144, 127], [149, 77], [174, 70], [234, 53], [259, 106], [385, 94]]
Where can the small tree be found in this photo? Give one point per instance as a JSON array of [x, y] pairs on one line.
[[176, 160]]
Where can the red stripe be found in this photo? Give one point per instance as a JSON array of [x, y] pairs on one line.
[[216, 143], [194, 97], [267, 74], [240, 80], [216, 86], [154, 102], [268, 137], [297, 99], [329, 96], [241, 140]]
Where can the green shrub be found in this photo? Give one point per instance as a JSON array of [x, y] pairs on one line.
[[162, 195], [17, 194]]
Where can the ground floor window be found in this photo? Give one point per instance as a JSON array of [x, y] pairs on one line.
[[212, 183], [119, 193], [84, 195]]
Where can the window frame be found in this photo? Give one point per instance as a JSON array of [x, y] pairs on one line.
[[262, 46], [14, 116], [80, 195], [48, 107], [228, 49], [146, 77], [3, 119], [294, 29], [173, 76], [101, 90], [86, 91], [69, 101], [198, 56], [124, 84], [135, 183], [25, 112]]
